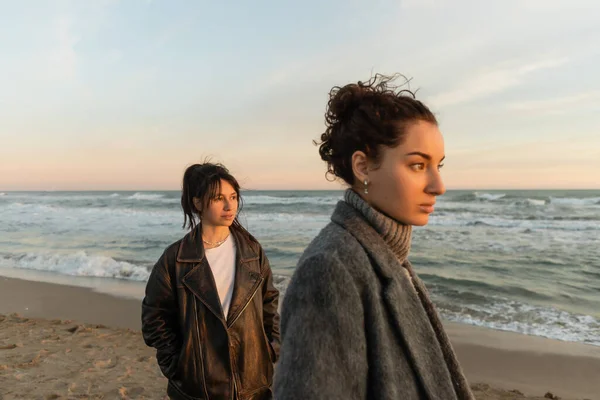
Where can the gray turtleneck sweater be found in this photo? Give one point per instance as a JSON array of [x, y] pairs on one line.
[[357, 322], [395, 234]]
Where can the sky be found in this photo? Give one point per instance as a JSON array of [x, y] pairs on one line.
[[124, 95]]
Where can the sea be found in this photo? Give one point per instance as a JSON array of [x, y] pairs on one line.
[[522, 261]]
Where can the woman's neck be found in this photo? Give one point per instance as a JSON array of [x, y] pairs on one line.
[[395, 234], [214, 234]]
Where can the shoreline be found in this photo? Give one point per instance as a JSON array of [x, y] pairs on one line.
[[496, 362]]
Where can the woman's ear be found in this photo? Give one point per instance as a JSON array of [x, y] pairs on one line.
[[360, 166], [197, 204]]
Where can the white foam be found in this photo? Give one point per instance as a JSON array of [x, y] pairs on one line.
[[77, 264], [281, 282], [285, 218], [530, 320], [146, 196], [262, 199], [536, 202], [489, 196], [27, 209]]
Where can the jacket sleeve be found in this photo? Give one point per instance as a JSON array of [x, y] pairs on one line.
[[270, 296], [323, 350], [159, 318]]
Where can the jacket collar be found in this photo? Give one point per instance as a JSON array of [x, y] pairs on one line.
[[200, 280], [402, 299]]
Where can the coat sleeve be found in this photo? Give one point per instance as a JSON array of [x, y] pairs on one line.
[[159, 318], [323, 351], [270, 296]]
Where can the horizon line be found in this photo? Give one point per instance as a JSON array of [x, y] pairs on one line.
[[285, 190]]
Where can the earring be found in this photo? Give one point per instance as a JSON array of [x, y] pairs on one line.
[[366, 186]]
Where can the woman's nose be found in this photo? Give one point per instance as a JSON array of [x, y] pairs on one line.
[[436, 185]]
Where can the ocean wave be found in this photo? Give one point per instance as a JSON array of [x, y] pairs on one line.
[[82, 264], [573, 218], [514, 316], [456, 286], [271, 200], [478, 223], [591, 274], [511, 199], [25, 211], [77, 264], [2, 194], [489, 196], [281, 283], [575, 201], [526, 222], [145, 196], [472, 197], [284, 218], [536, 202], [454, 208]]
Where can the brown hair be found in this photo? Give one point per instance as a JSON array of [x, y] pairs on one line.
[[366, 116]]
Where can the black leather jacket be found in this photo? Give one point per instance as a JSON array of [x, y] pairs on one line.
[[203, 354]]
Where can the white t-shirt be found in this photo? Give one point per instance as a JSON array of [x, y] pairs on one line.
[[222, 263]]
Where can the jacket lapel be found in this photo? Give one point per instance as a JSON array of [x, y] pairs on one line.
[[201, 282], [247, 278], [411, 321], [408, 316], [199, 279]]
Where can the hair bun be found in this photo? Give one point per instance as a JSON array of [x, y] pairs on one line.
[[344, 101]]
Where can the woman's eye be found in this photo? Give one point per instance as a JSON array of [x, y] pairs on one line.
[[418, 167], [440, 166]]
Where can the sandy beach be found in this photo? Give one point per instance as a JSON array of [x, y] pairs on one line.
[[67, 342]]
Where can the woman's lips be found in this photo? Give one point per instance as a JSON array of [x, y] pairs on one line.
[[427, 208]]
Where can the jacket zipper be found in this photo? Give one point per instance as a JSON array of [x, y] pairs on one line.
[[234, 391], [200, 350], [247, 303], [233, 372]]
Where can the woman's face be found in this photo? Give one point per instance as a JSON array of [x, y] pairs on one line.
[[407, 180], [222, 209]]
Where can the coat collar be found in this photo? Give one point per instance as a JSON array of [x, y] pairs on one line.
[[408, 316], [200, 280]]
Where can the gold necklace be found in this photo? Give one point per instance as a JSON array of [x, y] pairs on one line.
[[216, 243]]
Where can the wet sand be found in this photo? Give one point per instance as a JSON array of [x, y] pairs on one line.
[[63, 342]]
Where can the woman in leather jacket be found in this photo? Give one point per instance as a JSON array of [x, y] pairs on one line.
[[210, 307]]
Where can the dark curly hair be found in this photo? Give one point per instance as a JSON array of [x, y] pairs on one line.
[[366, 116]]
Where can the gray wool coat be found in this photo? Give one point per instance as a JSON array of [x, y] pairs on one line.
[[355, 326]]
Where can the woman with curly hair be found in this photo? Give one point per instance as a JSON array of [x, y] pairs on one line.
[[356, 321]]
